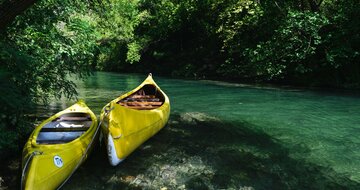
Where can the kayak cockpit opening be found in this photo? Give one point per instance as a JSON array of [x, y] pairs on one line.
[[64, 128], [146, 98]]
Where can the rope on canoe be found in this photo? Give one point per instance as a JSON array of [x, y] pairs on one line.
[[107, 111], [26, 165]]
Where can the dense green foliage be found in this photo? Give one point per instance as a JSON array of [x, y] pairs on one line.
[[306, 42]]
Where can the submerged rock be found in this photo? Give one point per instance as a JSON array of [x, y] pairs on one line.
[[194, 117], [167, 171]]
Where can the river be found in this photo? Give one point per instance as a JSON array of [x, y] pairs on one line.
[[229, 136]]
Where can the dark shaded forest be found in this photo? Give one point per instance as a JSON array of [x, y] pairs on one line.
[[303, 42]]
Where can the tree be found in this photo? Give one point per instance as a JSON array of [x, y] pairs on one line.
[[50, 41]]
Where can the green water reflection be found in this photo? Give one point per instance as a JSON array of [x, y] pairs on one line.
[[223, 136]]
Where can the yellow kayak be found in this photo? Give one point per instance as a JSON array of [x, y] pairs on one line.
[[57, 147], [131, 119]]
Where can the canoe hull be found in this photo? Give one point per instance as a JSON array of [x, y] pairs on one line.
[[50, 164], [129, 128]]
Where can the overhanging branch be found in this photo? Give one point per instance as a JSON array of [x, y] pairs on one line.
[[10, 9]]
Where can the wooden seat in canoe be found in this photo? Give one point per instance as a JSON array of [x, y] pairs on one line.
[[59, 135], [140, 100], [142, 96], [64, 128], [146, 98], [140, 103], [142, 107], [74, 119]]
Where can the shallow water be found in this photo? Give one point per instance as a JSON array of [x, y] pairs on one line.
[[223, 135]]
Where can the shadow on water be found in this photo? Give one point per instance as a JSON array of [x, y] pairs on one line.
[[196, 151]]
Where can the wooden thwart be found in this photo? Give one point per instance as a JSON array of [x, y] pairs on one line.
[[65, 129], [69, 118], [141, 107], [141, 102], [142, 96]]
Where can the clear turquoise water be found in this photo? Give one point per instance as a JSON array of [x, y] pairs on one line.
[[223, 135]]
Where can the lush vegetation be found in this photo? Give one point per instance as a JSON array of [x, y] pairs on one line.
[[305, 42], [48, 42]]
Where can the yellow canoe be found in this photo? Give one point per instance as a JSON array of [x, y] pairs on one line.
[[57, 147], [131, 119]]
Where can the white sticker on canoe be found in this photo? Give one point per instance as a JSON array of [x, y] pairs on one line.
[[58, 161]]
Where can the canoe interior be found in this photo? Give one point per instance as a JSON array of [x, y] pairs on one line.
[[64, 128], [146, 98]]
